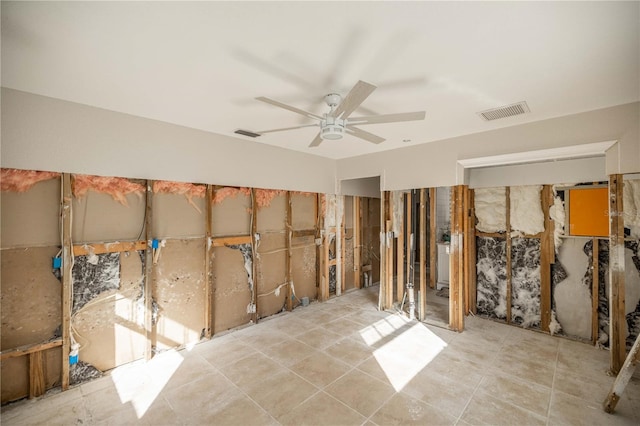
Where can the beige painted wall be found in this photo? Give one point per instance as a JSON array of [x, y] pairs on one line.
[[435, 164], [42, 133]]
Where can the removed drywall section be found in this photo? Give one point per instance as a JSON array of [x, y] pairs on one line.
[[110, 328], [98, 218], [94, 275], [30, 218], [231, 291], [526, 210], [371, 239], [491, 277], [180, 294], [525, 282], [303, 210], [491, 209], [230, 212], [176, 216]]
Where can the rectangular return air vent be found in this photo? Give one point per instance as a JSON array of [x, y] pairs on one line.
[[247, 133], [505, 111]]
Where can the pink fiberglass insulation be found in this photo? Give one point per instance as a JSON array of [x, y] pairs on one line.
[[22, 180], [118, 188], [264, 196], [220, 194], [189, 190]]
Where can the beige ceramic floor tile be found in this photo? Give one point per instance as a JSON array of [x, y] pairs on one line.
[[402, 409], [321, 409], [439, 391], [224, 353], [71, 412], [319, 337], [343, 326], [238, 412], [529, 369], [349, 351], [569, 410], [289, 352], [280, 393], [360, 391], [484, 409], [320, 369], [527, 395], [248, 370]]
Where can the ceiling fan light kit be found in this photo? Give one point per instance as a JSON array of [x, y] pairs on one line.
[[334, 124]]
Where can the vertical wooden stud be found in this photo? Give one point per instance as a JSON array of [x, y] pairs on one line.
[[341, 261], [472, 259], [423, 253], [466, 247], [67, 282], [254, 255], [595, 288], [208, 273], [456, 260], [618, 329], [357, 242], [508, 243], [389, 261], [399, 248], [148, 273], [382, 293], [433, 239], [289, 231], [319, 246], [546, 254], [409, 233]]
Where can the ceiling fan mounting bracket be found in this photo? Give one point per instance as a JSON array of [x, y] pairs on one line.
[[333, 100]]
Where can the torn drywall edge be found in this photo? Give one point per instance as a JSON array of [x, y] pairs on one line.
[[117, 187], [245, 250], [329, 209], [22, 180], [526, 209], [491, 209]]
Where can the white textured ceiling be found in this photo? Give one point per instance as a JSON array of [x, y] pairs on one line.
[[202, 64]]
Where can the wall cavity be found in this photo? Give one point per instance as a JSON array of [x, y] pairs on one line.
[[491, 209], [526, 210]]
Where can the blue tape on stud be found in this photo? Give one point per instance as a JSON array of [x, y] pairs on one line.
[[155, 244]]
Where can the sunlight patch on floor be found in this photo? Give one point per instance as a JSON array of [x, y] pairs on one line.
[[407, 352], [140, 384]]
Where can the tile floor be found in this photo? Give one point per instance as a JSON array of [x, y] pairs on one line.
[[342, 362]]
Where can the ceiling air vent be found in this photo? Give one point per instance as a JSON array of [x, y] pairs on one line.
[[505, 111], [247, 133]]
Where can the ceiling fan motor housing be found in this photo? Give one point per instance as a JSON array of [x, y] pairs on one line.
[[332, 128]]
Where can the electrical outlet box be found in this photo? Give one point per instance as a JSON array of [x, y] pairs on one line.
[[56, 262]]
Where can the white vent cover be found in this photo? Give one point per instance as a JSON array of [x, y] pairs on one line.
[[505, 111]]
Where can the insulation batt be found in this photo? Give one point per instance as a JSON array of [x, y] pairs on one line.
[[631, 206], [526, 210], [398, 211], [265, 196], [491, 209], [118, 188], [220, 194], [557, 214], [22, 180], [189, 190]]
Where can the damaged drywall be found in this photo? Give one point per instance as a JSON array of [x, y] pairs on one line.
[[490, 209]]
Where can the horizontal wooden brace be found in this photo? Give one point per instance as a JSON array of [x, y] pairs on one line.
[[333, 262], [85, 249], [303, 233], [225, 241], [28, 349]]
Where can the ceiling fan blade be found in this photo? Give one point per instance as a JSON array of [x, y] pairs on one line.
[[316, 141], [388, 118], [354, 98], [359, 133], [286, 128], [289, 107]]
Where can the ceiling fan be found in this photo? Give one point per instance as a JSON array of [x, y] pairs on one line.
[[336, 123]]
